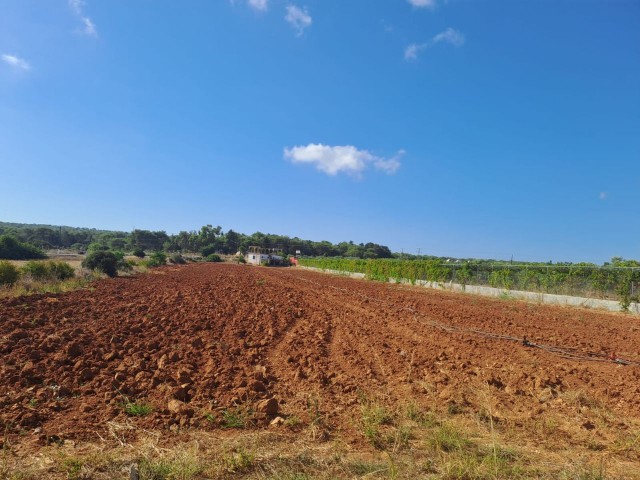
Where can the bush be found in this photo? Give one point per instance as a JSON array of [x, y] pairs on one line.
[[12, 249], [105, 262], [208, 250], [157, 259], [36, 270], [213, 258], [8, 273], [177, 259], [241, 259], [138, 252], [50, 270], [61, 270]]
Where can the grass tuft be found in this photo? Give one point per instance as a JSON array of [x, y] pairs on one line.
[[135, 409]]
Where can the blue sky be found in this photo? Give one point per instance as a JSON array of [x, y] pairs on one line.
[[462, 128]]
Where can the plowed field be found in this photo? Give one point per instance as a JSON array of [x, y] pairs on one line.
[[195, 342]]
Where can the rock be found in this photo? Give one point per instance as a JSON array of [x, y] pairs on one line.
[[276, 422], [179, 408], [175, 406], [269, 406]]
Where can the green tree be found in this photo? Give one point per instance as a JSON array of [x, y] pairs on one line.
[[12, 249]]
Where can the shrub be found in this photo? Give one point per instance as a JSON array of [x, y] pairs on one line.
[[36, 270], [12, 249], [208, 250], [105, 262], [49, 270], [241, 259], [8, 273], [157, 259], [138, 252], [213, 258], [177, 259], [60, 270]]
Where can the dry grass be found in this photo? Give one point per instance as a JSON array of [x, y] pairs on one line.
[[397, 442], [27, 286], [82, 279]]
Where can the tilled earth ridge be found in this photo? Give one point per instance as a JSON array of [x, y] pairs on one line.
[[196, 340]]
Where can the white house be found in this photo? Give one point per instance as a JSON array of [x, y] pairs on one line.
[[260, 256]]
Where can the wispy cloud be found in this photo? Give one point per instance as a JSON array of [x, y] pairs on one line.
[[411, 52], [88, 27], [424, 3], [298, 18], [450, 35], [260, 5], [15, 62], [336, 159], [602, 196]]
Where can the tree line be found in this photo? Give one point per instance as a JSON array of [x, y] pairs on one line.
[[214, 239]]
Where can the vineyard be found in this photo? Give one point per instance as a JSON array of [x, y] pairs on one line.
[[613, 283]]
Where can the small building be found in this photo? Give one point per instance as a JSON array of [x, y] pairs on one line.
[[264, 256]]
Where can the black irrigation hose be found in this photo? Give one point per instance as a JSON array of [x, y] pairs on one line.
[[569, 353]]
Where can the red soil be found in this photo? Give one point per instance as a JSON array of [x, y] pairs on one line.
[[215, 335]]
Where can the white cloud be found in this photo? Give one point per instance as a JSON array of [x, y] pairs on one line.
[[450, 35], [15, 62], [76, 6], [88, 27], [423, 3], [261, 5], [336, 159], [298, 18], [411, 52]]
